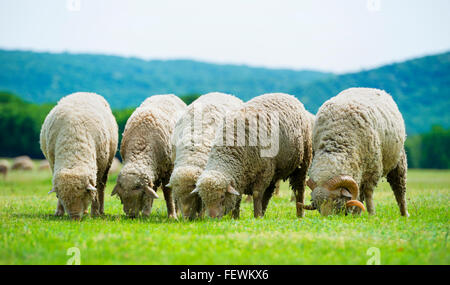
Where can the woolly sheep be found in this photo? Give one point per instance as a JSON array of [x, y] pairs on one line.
[[358, 138], [79, 139], [192, 139], [22, 163], [232, 171], [4, 166], [146, 150], [44, 165]]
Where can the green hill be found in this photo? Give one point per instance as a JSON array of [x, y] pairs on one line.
[[124, 82], [421, 88]]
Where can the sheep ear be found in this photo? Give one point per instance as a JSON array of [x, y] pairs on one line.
[[168, 185], [194, 191], [51, 191], [346, 193], [91, 188], [232, 190], [114, 191], [151, 192]]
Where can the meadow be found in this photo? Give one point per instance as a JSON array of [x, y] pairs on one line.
[[30, 234]]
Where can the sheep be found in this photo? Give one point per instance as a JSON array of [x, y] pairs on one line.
[[251, 168], [44, 165], [79, 139], [358, 137], [146, 150], [192, 140], [4, 166], [22, 163], [115, 166]]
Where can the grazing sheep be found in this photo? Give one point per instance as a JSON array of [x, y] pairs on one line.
[[44, 165], [249, 168], [22, 163], [79, 139], [358, 138], [4, 166], [192, 139], [115, 166], [146, 150]]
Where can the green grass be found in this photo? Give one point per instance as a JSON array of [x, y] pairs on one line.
[[29, 234]]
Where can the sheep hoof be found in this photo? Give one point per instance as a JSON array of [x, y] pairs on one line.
[[173, 217]]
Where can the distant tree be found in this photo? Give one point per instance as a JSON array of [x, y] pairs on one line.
[[435, 148], [189, 98]]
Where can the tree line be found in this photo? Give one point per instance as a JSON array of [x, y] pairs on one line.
[[20, 125]]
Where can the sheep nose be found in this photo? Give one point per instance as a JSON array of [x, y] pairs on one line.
[[75, 217], [213, 213]]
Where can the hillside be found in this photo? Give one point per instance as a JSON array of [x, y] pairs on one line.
[[124, 82], [421, 88]]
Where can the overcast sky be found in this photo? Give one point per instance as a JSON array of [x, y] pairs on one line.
[[328, 35]]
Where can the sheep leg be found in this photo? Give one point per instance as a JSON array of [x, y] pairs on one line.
[[97, 207], [59, 209], [297, 182], [169, 202], [101, 194], [237, 209], [397, 180], [258, 192], [369, 201], [277, 188], [96, 204], [266, 197], [257, 204]]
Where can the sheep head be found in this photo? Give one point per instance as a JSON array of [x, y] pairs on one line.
[[334, 196], [182, 182], [217, 193], [135, 192], [75, 191]]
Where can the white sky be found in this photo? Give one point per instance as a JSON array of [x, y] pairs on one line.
[[338, 36]]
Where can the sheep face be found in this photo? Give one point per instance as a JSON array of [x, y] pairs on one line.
[[337, 195], [217, 193], [135, 193], [190, 204], [182, 183], [330, 202], [75, 192]]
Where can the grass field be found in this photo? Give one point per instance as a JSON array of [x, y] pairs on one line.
[[29, 234]]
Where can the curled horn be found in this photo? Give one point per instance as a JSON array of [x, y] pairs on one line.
[[343, 181], [355, 203], [349, 183], [311, 184]]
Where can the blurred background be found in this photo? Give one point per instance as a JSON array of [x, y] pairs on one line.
[[129, 50]]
